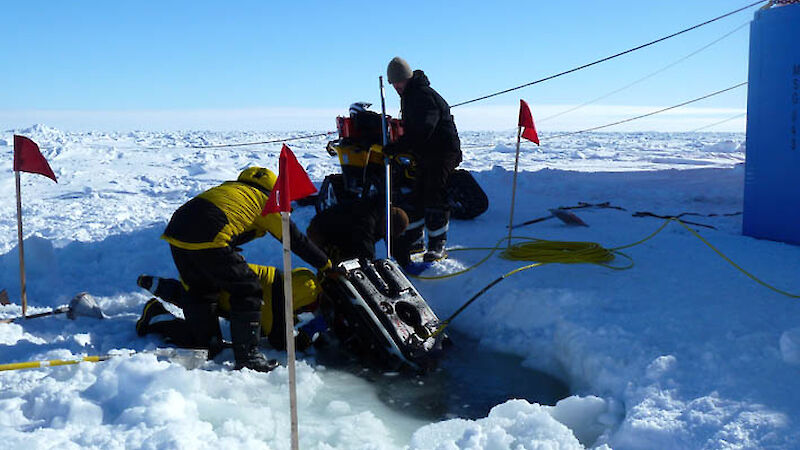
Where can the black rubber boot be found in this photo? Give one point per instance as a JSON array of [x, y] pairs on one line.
[[437, 221], [436, 250], [245, 331], [412, 241], [145, 282], [167, 289], [202, 319], [151, 309]]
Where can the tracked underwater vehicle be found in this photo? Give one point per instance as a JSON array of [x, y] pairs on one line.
[[379, 316]]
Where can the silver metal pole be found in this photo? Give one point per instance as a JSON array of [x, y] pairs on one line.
[[388, 168]]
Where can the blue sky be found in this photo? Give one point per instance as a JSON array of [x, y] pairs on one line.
[[249, 61]]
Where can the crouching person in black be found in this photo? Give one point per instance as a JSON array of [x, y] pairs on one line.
[[203, 234], [351, 229], [430, 135], [305, 292]]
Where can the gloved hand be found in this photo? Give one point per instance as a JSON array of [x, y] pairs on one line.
[[325, 270], [309, 333], [302, 341]]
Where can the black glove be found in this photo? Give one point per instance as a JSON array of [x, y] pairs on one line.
[[303, 341]]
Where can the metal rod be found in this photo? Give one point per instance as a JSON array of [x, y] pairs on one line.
[[60, 310], [388, 167]]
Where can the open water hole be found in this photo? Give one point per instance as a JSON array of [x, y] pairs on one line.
[[468, 381]]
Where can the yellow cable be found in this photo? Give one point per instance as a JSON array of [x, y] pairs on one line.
[[51, 363], [544, 252], [722, 255], [568, 252]]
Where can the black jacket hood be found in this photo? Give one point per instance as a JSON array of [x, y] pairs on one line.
[[418, 79]]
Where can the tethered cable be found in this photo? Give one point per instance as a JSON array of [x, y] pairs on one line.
[[646, 77], [719, 123], [242, 144], [575, 69], [651, 113], [607, 58]]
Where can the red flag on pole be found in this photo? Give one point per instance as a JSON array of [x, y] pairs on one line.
[[292, 184], [28, 158], [526, 122]]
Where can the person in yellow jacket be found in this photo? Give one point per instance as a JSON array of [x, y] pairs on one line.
[[203, 235], [157, 319]]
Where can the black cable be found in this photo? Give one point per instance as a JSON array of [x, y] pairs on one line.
[[447, 321], [263, 142], [718, 123], [608, 57], [650, 75], [651, 113], [575, 69]]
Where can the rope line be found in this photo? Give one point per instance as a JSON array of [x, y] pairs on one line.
[[719, 123], [242, 144], [575, 69], [646, 77], [650, 113], [607, 58]]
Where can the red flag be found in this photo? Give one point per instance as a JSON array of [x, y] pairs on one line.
[[526, 122], [28, 158], [292, 183]]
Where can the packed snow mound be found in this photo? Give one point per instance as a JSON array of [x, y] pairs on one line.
[[515, 424]]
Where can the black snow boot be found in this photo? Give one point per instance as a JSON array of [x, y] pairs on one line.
[[145, 281], [437, 222], [245, 331], [151, 309], [167, 289], [412, 241], [203, 321]]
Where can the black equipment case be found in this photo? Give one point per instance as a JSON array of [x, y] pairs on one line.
[[376, 313]]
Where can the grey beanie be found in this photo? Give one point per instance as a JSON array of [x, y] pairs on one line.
[[398, 70]]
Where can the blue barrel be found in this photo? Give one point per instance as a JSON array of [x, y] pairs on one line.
[[772, 170]]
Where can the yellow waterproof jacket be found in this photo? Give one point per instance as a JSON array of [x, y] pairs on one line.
[[230, 215]]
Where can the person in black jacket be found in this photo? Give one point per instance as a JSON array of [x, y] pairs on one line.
[[350, 230], [430, 135], [204, 234]]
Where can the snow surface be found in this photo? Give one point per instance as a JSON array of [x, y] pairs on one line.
[[681, 351]]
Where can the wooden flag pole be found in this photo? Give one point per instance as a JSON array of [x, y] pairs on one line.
[[289, 320], [514, 189], [23, 290]]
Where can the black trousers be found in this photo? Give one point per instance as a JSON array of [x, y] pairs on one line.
[[430, 188], [209, 271], [178, 332]]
